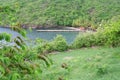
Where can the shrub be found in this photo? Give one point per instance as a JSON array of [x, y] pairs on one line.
[[59, 43], [48, 47], [21, 63], [18, 61], [85, 40], [112, 31], [108, 36]]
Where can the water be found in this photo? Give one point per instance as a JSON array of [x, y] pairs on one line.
[[69, 36]]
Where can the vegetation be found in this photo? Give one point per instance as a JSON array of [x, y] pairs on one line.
[[86, 13], [105, 36], [85, 64], [58, 44], [17, 61], [21, 62]]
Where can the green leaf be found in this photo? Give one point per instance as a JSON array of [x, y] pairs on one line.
[[1, 36], [7, 37], [14, 76], [2, 71]]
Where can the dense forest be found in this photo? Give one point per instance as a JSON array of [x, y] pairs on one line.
[[77, 13]]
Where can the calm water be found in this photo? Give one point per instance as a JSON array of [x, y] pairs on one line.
[[70, 36]]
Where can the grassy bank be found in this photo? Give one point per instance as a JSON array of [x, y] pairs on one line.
[[85, 64]]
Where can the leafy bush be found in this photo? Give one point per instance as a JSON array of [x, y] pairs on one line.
[[45, 48], [86, 40], [59, 43], [108, 36], [49, 47], [112, 31], [18, 62], [20, 65]]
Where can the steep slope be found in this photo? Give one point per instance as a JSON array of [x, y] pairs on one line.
[[64, 12]]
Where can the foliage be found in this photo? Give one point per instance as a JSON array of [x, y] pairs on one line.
[[20, 62], [17, 61], [45, 48], [84, 41], [63, 12], [59, 43], [81, 22], [21, 65], [112, 31], [5, 36], [106, 36], [89, 40], [8, 15]]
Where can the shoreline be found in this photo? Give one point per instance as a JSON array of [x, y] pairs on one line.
[[55, 28]]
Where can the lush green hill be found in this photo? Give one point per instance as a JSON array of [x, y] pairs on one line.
[[64, 12]]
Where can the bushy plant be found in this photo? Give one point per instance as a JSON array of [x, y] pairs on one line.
[[59, 43], [112, 31], [106, 36], [17, 61], [17, 65], [49, 47], [46, 47], [85, 40]]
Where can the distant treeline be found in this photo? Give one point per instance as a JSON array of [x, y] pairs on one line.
[[77, 13]]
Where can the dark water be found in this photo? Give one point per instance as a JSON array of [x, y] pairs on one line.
[[70, 36]]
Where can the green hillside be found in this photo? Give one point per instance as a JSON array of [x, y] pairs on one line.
[[91, 55], [64, 12]]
